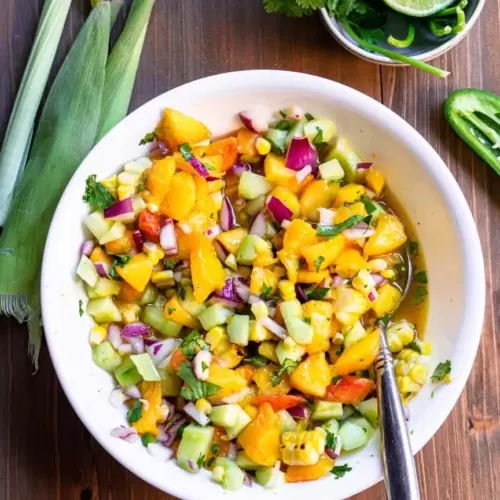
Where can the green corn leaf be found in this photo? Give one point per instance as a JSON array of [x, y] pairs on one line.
[[18, 136]]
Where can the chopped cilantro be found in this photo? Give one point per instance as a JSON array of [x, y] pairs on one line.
[[433, 393], [282, 113], [340, 350], [288, 366], [309, 117], [96, 195], [215, 449], [317, 294], [148, 438], [118, 261], [149, 137], [340, 470], [441, 371], [200, 461], [307, 320], [369, 205], [141, 187], [414, 345], [420, 294], [318, 138], [331, 441], [171, 310], [210, 462], [318, 262], [421, 277], [182, 293], [169, 265], [80, 308], [257, 360], [275, 379], [204, 366], [180, 430], [284, 124], [190, 343], [265, 291], [135, 412], [195, 389], [185, 151], [336, 379], [338, 228], [414, 248]]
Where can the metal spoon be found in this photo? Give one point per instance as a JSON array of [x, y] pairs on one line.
[[400, 474]]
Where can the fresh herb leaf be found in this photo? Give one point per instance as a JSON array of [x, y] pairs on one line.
[[318, 262], [149, 137], [421, 277], [340, 350], [185, 151], [338, 228], [385, 319], [182, 294], [210, 462], [369, 205], [413, 345], [148, 438], [441, 371], [331, 441], [311, 404], [318, 138], [171, 310], [257, 360], [141, 187], [414, 248], [200, 461], [80, 308], [340, 470], [265, 291], [287, 7], [180, 430], [190, 344], [420, 294], [135, 412], [275, 379], [96, 195], [307, 320], [317, 294], [284, 125], [288, 366], [195, 389], [309, 117], [118, 261], [336, 379], [215, 449], [433, 393], [283, 114], [169, 265]]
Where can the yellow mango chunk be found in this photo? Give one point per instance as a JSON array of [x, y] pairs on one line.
[[177, 128], [230, 381], [231, 240], [277, 173], [262, 377], [160, 177], [343, 213], [389, 236], [318, 194], [137, 272], [349, 263], [174, 311], [298, 234], [350, 305], [151, 413], [387, 300], [180, 199], [375, 180], [263, 281], [322, 255], [312, 376], [349, 194], [290, 261], [312, 276], [320, 313], [358, 356]]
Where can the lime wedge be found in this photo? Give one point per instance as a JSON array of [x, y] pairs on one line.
[[418, 8]]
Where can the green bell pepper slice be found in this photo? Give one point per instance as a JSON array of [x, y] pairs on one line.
[[475, 116]]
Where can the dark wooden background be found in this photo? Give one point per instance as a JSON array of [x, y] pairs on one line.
[[45, 452]]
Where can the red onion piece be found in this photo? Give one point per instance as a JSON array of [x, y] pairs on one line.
[[138, 240], [242, 290], [274, 327], [171, 409], [300, 412], [220, 251], [300, 154], [199, 417], [229, 290], [160, 350], [150, 340], [232, 451], [227, 218], [333, 454], [213, 232], [86, 248], [102, 269], [239, 167], [378, 279], [201, 170], [253, 299], [133, 392], [372, 296], [168, 238], [120, 210], [301, 294], [160, 146], [361, 230], [135, 330], [278, 209], [192, 465], [255, 119], [258, 227], [172, 427], [114, 335], [364, 165], [302, 174], [247, 480], [126, 433], [137, 344]]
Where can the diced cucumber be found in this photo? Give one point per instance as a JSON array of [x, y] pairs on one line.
[[355, 432], [90, 292], [153, 317], [331, 426], [97, 224], [238, 329], [373, 208], [127, 374], [278, 140], [189, 303], [195, 443], [331, 171], [369, 410], [106, 357], [104, 310], [228, 473], [252, 186], [231, 262], [253, 207], [247, 251], [244, 462], [296, 131], [215, 315], [225, 415], [326, 129], [291, 309], [300, 331], [241, 422], [106, 288], [291, 352], [170, 383], [344, 152], [287, 421], [269, 477], [117, 231], [347, 411], [325, 410], [149, 295], [146, 367], [87, 271]]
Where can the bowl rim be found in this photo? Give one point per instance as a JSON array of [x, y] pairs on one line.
[[441, 176], [333, 27]]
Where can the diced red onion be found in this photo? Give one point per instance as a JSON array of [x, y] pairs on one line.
[[227, 218], [102, 269], [255, 119], [302, 174], [114, 335], [124, 349], [199, 417], [137, 344], [247, 479], [258, 227], [364, 165], [299, 412], [253, 299], [117, 397], [337, 281], [150, 340], [135, 330], [285, 223], [171, 409], [201, 170], [229, 290], [300, 293], [160, 452], [372, 296], [234, 398], [220, 251], [378, 279], [242, 290], [239, 167], [133, 392], [128, 434], [361, 230], [326, 217], [192, 465], [172, 427], [300, 154], [160, 350], [120, 210], [333, 454], [86, 248], [213, 232], [278, 209], [168, 238], [274, 327], [138, 240], [232, 451], [224, 302], [160, 146]]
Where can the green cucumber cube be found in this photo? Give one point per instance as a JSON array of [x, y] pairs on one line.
[[225, 415], [369, 410], [215, 315], [87, 271], [247, 252], [149, 295], [189, 303], [117, 231], [278, 140], [332, 426], [127, 374], [321, 129], [104, 310], [106, 288], [325, 410], [106, 357], [269, 477], [300, 331], [153, 316], [292, 352], [355, 432], [287, 421], [91, 292], [241, 422], [195, 443], [227, 473], [331, 171], [97, 224], [344, 152], [244, 462], [238, 329], [170, 383], [252, 186], [146, 367]]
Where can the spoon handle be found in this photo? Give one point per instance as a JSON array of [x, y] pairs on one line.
[[399, 467]]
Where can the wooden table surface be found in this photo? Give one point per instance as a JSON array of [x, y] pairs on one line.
[[45, 452]]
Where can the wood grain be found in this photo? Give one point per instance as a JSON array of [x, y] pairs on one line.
[[45, 452]]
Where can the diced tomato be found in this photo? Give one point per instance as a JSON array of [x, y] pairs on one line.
[[350, 390], [279, 402], [178, 357], [149, 224]]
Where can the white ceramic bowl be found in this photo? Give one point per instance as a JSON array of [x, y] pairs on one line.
[[413, 170]]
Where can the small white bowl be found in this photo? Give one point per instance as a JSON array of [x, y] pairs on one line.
[[421, 50], [414, 171]]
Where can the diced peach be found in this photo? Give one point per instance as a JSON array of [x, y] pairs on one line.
[[137, 272], [181, 197], [177, 128]]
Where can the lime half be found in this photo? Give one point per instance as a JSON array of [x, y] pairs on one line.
[[419, 8]]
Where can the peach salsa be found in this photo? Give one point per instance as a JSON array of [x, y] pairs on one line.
[[236, 286]]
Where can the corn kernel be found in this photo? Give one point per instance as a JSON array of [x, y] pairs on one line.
[[287, 290], [126, 192], [406, 384], [267, 349], [400, 367], [128, 179], [377, 265], [203, 406], [303, 447], [163, 279], [260, 310], [394, 342], [97, 334], [409, 355], [419, 374], [263, 146], [388, 274], [111, 183]]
